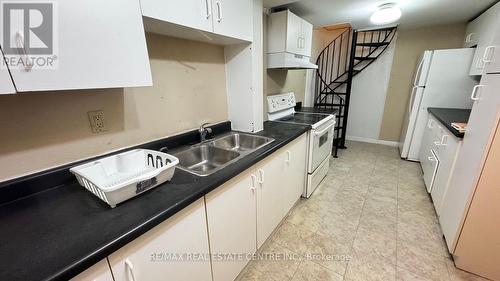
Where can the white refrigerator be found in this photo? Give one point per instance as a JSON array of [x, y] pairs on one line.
[[441, 80]]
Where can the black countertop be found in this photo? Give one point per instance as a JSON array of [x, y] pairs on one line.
[[317, 110], [59, 232], [451, 115]]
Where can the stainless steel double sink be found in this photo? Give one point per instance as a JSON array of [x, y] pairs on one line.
[[210, 156]]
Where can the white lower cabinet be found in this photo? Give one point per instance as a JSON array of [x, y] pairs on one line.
[[213, 238], [99, 272], [270, 189], [231, 217], [295, 170], [176, 249]]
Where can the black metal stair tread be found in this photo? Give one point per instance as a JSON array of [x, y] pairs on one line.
[[365, 58], [373, 44]]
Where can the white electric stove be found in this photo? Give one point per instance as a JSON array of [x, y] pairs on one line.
[[281, 108]]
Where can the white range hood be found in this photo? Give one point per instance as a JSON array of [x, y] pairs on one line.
[[289, 41], [289, 61]]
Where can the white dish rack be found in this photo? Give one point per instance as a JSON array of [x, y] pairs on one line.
[[120, 177]]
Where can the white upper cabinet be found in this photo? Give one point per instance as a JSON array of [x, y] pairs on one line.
[[177, 249], [195, 14], [6, 86], [492, 63], [222, 19], [97, 44], [233, 18], [289, 33], [483, 30], [231, 218]]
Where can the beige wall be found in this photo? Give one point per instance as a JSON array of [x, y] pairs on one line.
[[43, 130], [409, 46], [283, 81]]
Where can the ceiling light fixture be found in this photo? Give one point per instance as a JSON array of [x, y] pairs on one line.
[[386, 13]]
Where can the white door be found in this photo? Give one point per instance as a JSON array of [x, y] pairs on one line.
[[6, 85], [491, 56], [430, 166], [295, 172], [479, 130], [190, 13], [176, 249], [269, 195], [293, 33], [306, 34], [231, 215], [489, 21], [410, 121], [233, 18], [472, 33], [98, 272], [101, 44]]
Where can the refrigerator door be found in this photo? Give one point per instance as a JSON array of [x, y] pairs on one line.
[[410, 120], [422, 70], [448, 85]]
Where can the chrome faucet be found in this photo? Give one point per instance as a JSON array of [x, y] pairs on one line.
[[204, 131]]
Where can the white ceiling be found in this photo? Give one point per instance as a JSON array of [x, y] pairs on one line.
[[416, 13]]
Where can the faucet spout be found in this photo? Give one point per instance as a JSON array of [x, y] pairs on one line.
[[204, 131]]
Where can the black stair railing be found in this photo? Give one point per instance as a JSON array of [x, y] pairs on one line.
[[342, 59]]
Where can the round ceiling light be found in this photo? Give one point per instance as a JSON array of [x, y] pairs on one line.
[[386, 13]]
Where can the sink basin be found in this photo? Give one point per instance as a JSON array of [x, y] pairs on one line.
[[205, 159], [241, 142]]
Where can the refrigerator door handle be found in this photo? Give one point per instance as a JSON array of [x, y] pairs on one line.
[[417, 75], [412, 96]]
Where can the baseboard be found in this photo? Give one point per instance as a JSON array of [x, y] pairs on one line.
[[369, 140]]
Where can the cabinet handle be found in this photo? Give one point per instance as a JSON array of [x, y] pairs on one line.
[[130, 270], [437, 143], [20, 44], [254, 180], [429, 124], [475, 90], [219, 11], [444, 140], [288, 157], [298, 42], [261, 175], [431, 158], [480, 63], [208, 4], [488, 56], [469, 38]]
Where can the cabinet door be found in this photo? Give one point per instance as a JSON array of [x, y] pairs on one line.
[[488, 25], [169, 251], [307, 32], [479, 128], [98, 272], [6, 86], [295, 172], [472, 33], [269, 195], [478, 249], [99, 46], [293, 33], [231, 214], [190, 13], [492, 54], [427, 140], [233, 18]]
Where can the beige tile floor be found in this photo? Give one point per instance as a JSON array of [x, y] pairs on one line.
[[371, 219]]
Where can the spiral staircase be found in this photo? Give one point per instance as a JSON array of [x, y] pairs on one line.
[[339, 62]]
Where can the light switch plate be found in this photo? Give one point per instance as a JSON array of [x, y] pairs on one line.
[[97, 122]]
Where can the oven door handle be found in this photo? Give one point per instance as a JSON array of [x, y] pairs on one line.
[[324, 130]]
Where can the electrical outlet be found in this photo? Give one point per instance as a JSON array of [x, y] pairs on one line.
[[97, 122]]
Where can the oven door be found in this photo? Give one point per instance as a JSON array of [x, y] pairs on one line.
[[321, 145]]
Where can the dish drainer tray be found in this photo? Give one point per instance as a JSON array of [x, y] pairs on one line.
[[119, 177]]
